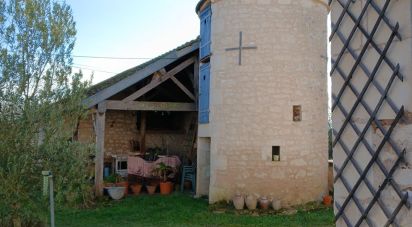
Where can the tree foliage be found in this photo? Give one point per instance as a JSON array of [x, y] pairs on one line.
[[40, 105]]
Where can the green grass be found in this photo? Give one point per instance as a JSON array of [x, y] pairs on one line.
[[182, 210]]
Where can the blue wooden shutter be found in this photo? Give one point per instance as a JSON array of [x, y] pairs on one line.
[[205, 32], [204, 86]]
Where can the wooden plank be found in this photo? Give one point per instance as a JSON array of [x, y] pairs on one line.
[[183, 88], [139, 75], [143, 132], [150, 106], [168, 75], [99, 159]]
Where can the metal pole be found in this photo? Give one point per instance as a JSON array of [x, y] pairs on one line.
[[51, 201]]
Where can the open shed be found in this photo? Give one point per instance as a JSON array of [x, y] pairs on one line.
[[151, 107]]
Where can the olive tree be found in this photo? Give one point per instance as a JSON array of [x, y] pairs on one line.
[[40, 106]]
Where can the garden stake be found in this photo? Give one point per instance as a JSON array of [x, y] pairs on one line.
[[48, 181]]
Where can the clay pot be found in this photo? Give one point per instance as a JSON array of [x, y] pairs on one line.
[[276, 204], [251, 202], [136, 188], [264, 203], [115, 193], [151, 189], [166, 188], [124, 184], [238, 201], [327, 200]]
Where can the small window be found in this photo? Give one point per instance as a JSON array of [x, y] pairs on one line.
[[297, 113], [275, 153], [121, 165]]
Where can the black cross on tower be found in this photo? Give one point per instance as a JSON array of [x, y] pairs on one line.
[[240, 48]]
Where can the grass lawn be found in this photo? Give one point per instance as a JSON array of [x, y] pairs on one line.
[[182, 210]]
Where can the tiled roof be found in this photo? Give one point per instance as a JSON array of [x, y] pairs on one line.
[[108, 82]]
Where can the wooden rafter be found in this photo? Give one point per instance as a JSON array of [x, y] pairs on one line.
[[183, 88], [149, 106], [140, 74], [162, 79]]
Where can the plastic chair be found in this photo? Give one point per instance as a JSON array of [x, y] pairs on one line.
[[188, 174]]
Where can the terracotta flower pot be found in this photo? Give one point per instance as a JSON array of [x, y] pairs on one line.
[[151, 189], [166, 188], [251, 202], [124, 184], [238, 201], [264, 203], [276, 204], [136, 188], [327, 200]]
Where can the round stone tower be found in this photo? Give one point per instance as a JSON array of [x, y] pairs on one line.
[[263, 117]]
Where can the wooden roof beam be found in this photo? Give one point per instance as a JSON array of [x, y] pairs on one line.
[[162, 79], [183, 88], [149, 106]]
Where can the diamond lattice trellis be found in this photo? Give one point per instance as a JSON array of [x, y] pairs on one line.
[[347, 38]]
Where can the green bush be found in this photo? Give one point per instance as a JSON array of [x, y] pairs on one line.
[[40, 106]]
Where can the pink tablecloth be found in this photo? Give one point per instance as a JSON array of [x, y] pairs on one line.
[[140, 167]]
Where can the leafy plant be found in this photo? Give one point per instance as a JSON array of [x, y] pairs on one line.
[[153, 153], [162, 170], [112, 178]]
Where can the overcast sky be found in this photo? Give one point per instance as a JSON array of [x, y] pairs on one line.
[[129, 28]]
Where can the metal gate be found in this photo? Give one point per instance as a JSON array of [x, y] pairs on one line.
[[347, 74]]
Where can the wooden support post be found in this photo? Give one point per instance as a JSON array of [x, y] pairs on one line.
[[143, 132], [99, 160]]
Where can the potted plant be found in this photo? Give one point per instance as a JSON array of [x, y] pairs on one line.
[[114, 190], [122, 182], [136, 187], [152, 154], [166, 187], [151, 188], [110, 180]]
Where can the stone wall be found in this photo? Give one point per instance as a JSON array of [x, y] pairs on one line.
[[251, 105], [120, 129], [400, 93]]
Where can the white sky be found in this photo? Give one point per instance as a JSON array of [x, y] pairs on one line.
[[129, 28]]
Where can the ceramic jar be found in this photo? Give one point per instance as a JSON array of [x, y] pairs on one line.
[[276, 204], [238, 201], [251, 202], [264, 203]]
